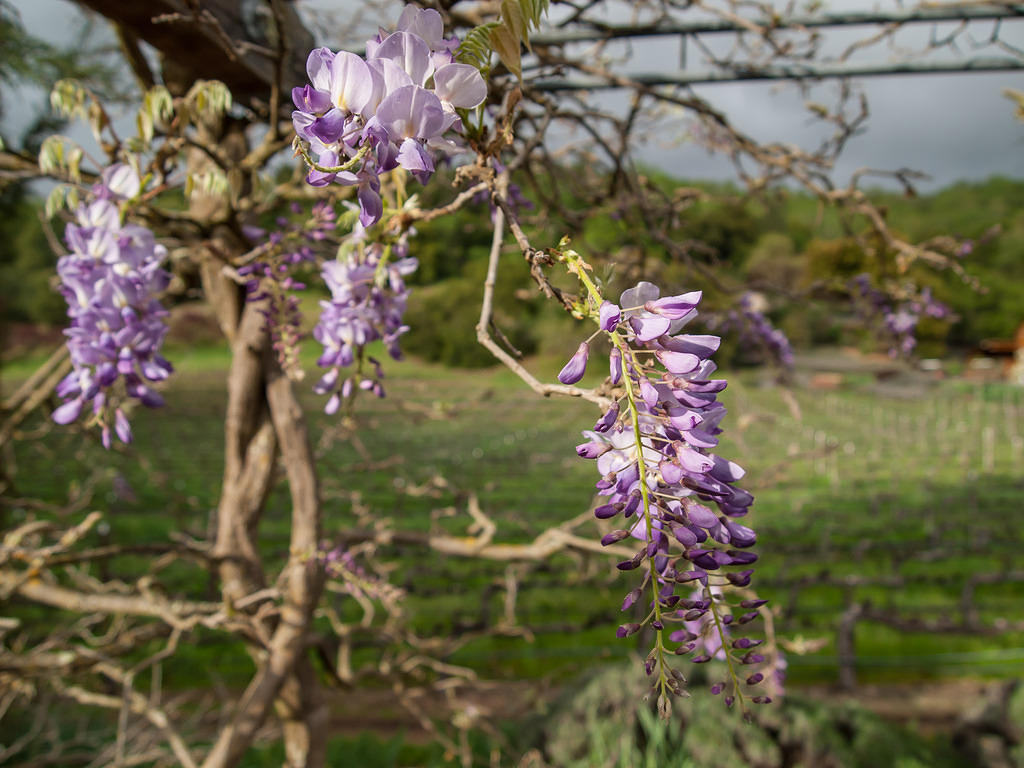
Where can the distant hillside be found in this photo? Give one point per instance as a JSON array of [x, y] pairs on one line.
[[784, 244]]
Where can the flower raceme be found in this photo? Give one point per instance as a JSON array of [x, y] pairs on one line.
[[899, 321], [365, 116], [111, 279], [662, 481], [270, 278], [368, 299], [754, 328]]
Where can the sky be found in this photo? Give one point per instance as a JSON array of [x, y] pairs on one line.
[[950, 127]]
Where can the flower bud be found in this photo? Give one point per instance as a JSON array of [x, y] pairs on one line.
[[625, 630], [648, 393], [741, 558], [739, 535], [608, 419], [577, 365], [629, 565], [615, 365], [122, 427], [609, 315], [631, 598], [592, 450], [740, 579], [678, 363], [68, 412], [745, 642], [613, 537]]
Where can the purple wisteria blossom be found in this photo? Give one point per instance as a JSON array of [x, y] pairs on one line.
[[368, 299], [577, 365], [111, 279], [271, 277], [660, 476], [364, 117], [749, 321], [898, 321]]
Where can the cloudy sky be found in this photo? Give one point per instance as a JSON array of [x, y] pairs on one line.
[[950, 127]]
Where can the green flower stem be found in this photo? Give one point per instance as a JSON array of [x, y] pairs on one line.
[[646, 503], [579, 268], [725, 648], [347, 166]]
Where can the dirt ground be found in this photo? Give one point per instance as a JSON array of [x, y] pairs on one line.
[[931, 707]]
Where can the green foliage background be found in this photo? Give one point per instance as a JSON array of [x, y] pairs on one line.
[[782, 247], [785, 246]]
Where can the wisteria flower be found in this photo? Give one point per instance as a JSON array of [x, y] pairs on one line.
[[111, 279], [660, 480], [362, 117], [368, 299]]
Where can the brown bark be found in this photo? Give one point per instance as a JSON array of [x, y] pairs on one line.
[[250, 453], [303, 712], [263, 419], [286, 674], [216, 40], [263, 414]]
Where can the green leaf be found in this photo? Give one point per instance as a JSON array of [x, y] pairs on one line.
[[160, 104], [61, 196], [51, 154], [55, 200], [506, 44], [476, 48], [212, 183], [208, 99], [512, 18], [504, 37], [144, 125], [534, 10], [97, 119], [75, 164], [68, 97]]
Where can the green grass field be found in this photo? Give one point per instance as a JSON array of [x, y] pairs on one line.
[[927, 490]]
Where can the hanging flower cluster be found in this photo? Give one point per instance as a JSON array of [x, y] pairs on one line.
[[660, 478], [111, 280], [898, 321], [749, 321], [271, 278], [368, 299], [364, 117]]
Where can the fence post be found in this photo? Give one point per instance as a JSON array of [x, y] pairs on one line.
[[846, 645]]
